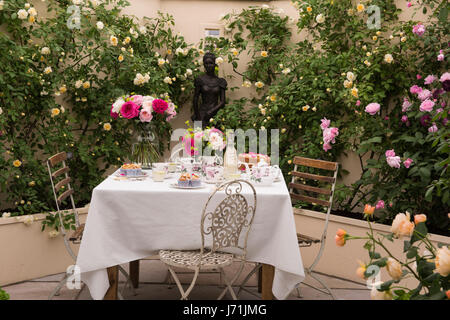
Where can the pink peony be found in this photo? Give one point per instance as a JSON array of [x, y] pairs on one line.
[[113, 114], [129, 110], [372, 108], [160, 106], [390, 153], [415, 89], [433, 128], [408, 162], [426, 106], [325, 123], [430, 79], [146, 115], [137, 99], [379, 205], [419, 29], [406, 104], [424, 95], [393, 162]]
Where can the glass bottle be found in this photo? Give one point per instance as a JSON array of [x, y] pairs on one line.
[[230, 159]]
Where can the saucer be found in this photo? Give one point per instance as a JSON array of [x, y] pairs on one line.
[[175, 185]]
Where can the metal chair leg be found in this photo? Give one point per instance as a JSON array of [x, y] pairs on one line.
[[324, 285], [251, 273], [128, 281], [79, 292], [58, 287]]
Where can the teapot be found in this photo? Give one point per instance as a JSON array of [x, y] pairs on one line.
[[262, 173]]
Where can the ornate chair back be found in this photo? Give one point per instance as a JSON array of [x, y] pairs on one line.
[[230, 222]]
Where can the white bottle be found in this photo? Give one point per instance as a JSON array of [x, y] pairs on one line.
[[230, 159]]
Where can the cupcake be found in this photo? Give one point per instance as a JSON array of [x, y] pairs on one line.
[[195, 180], [184, 180]]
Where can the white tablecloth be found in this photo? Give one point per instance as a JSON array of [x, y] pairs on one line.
[[131, 220]]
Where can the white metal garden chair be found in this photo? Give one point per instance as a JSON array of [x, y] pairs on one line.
[[224, 234], [306, 240], [61, 191]]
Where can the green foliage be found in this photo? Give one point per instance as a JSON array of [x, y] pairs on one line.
[[3, 295]]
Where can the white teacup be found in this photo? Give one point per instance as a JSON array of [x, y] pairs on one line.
[[158, 175], [214, 173], [161, 166]]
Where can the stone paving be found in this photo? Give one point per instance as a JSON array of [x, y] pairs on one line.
[[154, 286]]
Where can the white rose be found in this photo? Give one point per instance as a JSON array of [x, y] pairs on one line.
[[45, 50], [351, 76], [1, 4], [77, 2], [27, 5], [6, 214], [394, 268], [320, 18], [286, 71], [53, 234], [179, 51], [167, 80], [143, 29], [22, 14], [188, 72], [78, 84], [32, 12], [100, 25], [28, 220], [161, 61], [388, 58], [117, 105], [48, 70], [1, 110], [442, 261], [219, 60], [265, 6], [148, 104]]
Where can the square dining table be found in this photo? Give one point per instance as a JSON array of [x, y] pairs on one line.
[[130, 220]]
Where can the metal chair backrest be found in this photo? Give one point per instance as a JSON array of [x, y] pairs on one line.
[[62, 190], [306, 189], [230, 222]]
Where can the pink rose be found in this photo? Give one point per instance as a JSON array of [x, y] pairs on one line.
[[404, 118], [433, 128], [379, 205], [408, 162], [358, 103], [129, 110], [390, 153], [137, 99], [426, 106], [406, 105], [325, 123], [326, 147], [160, 106], [146, 115], [372, 108], [424, 95], [393, 162], [445, 77], [418, 76], [415, 89], [409, 4], [430, 79], [441, 56], [419, 29]]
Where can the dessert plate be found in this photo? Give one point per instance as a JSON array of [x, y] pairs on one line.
[[143, 175], [175, 185]]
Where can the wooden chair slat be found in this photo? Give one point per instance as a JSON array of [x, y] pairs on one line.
[[309, 188], [57, 158], [319, 164], [310, 199], [63, 182], [313, 176], [60, 172], [64, 195], [77, 235]]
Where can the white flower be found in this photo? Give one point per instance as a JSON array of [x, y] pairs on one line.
[[28, 220], [188, 72], [113, 40], [161, 61], [247, 84], [286, 71], [234, 51], [141, 79], [1, 110], [215, 140], [117, 105], [32, 12], [134, 33], [48, 70], [27, 5], [6, 214], [265, 6], [1, 4], [78, 84], [348, 84], [100, 25], [179, 51], [351, 76], [22, 14], [77, 2], [53, 234], [143, 29], [168, 80], [320, 18], [388, 58], [259, 84], [45, 50], [219, 60]]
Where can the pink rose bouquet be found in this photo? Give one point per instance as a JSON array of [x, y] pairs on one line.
[[329, 134]]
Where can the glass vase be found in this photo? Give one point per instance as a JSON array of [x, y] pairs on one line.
[[145, 150]]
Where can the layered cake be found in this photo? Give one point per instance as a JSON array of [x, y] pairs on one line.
[[131, 169], [252, 158]]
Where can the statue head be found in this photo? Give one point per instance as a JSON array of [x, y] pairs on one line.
[[209, 62]]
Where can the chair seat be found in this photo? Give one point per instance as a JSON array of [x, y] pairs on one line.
[[77, 234], [189, 259]]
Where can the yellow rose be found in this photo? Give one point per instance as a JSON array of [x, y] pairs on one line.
[[374, 38], [402, 225], [273, 98], [264, 54], [86, 85], [17, 163], [309, 9], [120, 58], [55, 112], [107, 126], [442, 261], [348, 84], [305, 108], [113, 40], [63, 89], [355, 92], [360, 7], [394, 268], [31, 183]]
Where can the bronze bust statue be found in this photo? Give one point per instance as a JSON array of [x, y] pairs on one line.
[[211, 89]]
